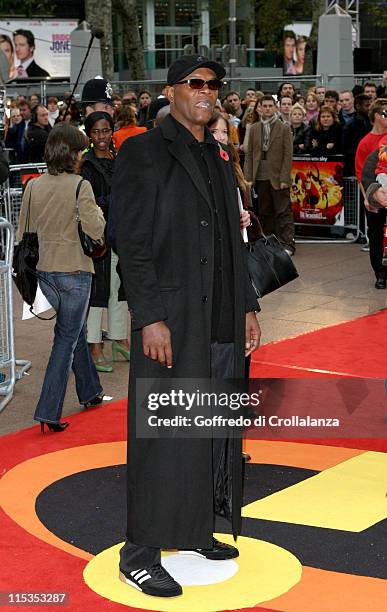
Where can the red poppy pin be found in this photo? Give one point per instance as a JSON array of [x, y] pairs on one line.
[[223, 154]]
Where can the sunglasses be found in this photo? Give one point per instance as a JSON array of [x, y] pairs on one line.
[[213, 84], [384, 114]]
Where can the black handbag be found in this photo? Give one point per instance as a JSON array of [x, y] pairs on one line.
[[269, 265], [24, 262], [92, 248], [25, 259]]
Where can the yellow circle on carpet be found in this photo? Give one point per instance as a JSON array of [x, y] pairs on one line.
[[265, 571]]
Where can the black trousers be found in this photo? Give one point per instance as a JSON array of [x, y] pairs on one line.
[[376, 223], [133, 556]]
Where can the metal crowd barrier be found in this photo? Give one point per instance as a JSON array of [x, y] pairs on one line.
[[8, 371], [11, 191]]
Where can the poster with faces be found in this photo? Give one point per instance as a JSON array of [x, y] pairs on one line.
[[47, 43]]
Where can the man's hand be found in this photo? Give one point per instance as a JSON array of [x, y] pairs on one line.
[[253, 333], [369, 206], [284, 186], [156, 343], [330, 145]]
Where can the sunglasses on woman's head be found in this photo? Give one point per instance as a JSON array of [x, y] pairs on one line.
[[213, 84]]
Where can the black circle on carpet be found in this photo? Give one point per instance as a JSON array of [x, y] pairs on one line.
[[88, 510]]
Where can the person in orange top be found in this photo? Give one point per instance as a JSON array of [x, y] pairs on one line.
[[126, 120]]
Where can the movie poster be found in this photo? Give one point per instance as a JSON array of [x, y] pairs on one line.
[[317, 191], [296, 37], [44, 52]]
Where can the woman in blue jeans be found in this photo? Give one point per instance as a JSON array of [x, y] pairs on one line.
[[65, 272]]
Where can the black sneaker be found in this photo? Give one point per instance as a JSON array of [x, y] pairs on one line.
[[153, 580], [219, 551]]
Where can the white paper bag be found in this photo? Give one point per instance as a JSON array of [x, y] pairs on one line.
[[41, 304]]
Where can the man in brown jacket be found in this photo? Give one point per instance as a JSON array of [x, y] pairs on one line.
[[268, 164]]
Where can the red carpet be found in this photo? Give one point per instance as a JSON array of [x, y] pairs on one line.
[[34, 560], [356, 348]]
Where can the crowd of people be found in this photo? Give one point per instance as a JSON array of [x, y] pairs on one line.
[[323, 122]]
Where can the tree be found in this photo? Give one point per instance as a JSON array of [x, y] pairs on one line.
[[271, 16], [133, 48], [27, 8], [100, 14], [377, 11]]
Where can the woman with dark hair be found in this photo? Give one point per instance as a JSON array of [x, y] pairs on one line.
[[97, 168], [220, 128], [325, 138], [144, 100], [64, 271]]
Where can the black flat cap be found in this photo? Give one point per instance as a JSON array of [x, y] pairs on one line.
[[186, 64]]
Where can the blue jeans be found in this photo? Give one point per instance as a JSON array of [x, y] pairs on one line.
[[70, 349]]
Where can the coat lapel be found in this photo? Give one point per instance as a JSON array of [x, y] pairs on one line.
[[179, 150]]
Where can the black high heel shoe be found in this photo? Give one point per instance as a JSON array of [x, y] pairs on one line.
[[54, 426]]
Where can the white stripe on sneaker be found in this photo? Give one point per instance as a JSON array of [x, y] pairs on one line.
[[138, 574], [144, 578]]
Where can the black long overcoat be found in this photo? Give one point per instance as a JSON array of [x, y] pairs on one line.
[[160, 233]]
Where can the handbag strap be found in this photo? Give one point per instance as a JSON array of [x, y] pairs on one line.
[[78, 218], [27, 225]]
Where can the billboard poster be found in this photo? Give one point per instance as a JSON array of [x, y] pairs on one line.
[[42, 50], [317, 190], [296, 37]]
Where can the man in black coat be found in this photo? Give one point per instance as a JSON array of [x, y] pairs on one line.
[[354, 131], [193, 316], [37, 134], [16, 136]]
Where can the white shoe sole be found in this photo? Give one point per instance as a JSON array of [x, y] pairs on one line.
[[124, 579], [193, 553]]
